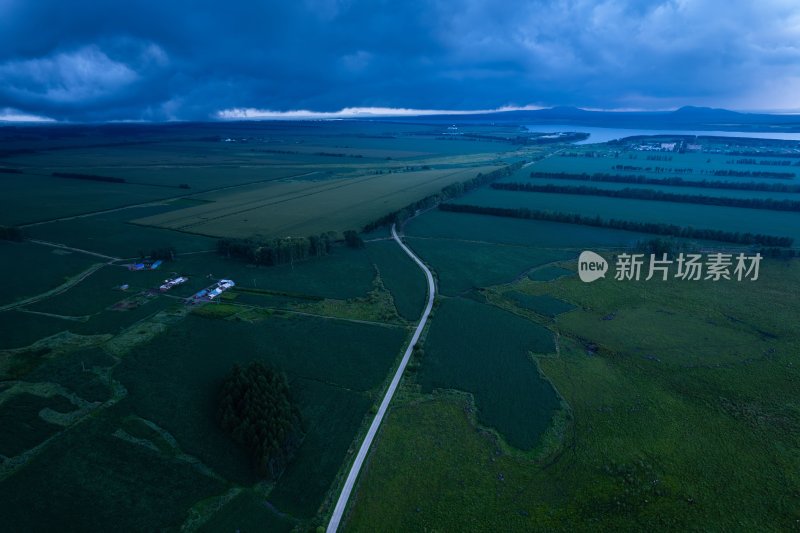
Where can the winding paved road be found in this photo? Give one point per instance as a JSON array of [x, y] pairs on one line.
[[341, 503]]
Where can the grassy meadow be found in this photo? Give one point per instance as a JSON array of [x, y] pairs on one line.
[[680, 405], [533, 401]]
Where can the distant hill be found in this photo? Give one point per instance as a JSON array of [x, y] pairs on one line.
[[687, 117], [705, 112]]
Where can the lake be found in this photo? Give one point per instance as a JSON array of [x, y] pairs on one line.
[[601, 135]]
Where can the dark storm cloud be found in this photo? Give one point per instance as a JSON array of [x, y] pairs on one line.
[[93, 60]]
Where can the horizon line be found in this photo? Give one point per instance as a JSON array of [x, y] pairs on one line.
[[10, 116]]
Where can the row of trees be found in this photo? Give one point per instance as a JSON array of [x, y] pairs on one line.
[[11, 233], [89, 177], [277, 251], [656, 228], [657, 170], [352, 239], [256, 409], [656, 195], [451, 191], [767, 153], [755, 174], [671, 182], [167, 253], [767, 162]]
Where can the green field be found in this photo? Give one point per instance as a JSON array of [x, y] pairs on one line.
[[111, 233], [281, 209], [724, 193], [173, 381], [22, 427], [548, 273], [33, 269], [537, 233], [686, 165], [779, 223], [498, 370], [462, 265], [247, 513], [345, 273], [401, 276], [148, 490], [144, 369], [25, 328], [533, 401], [542, 304], [667, 432], [78, 372], [98, 291], [55, 197], [680, 398]]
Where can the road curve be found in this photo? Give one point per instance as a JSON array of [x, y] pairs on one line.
[[341, 503]]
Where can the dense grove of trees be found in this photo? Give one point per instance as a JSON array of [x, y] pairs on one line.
[[89, 177], [167, 253], [671, 182], [276, 251], [256, 409], [451, 191], [11, 233], [652, 194], [352, 239], [656, 228], [755, 174]]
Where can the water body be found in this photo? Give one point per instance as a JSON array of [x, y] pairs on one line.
[[601, 135]]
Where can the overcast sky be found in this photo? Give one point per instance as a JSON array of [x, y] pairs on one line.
[[97, 60]]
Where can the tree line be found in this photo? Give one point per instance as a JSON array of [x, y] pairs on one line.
[[451, 191], [767, 162], [657, 170], [256, 409], [89, 177], [272, 252], [276, 251], [657, 228], [166, 253], [671, 182], [755, 174], [767, 153], [655, 195]]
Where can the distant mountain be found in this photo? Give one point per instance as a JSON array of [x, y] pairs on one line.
[[705, 112], [559, 111], [685, 118]]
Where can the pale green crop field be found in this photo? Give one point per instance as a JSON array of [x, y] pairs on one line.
[[302, 208]]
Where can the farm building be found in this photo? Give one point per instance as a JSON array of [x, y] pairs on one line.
[[169, 283], [144, 265], [221, 286]]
